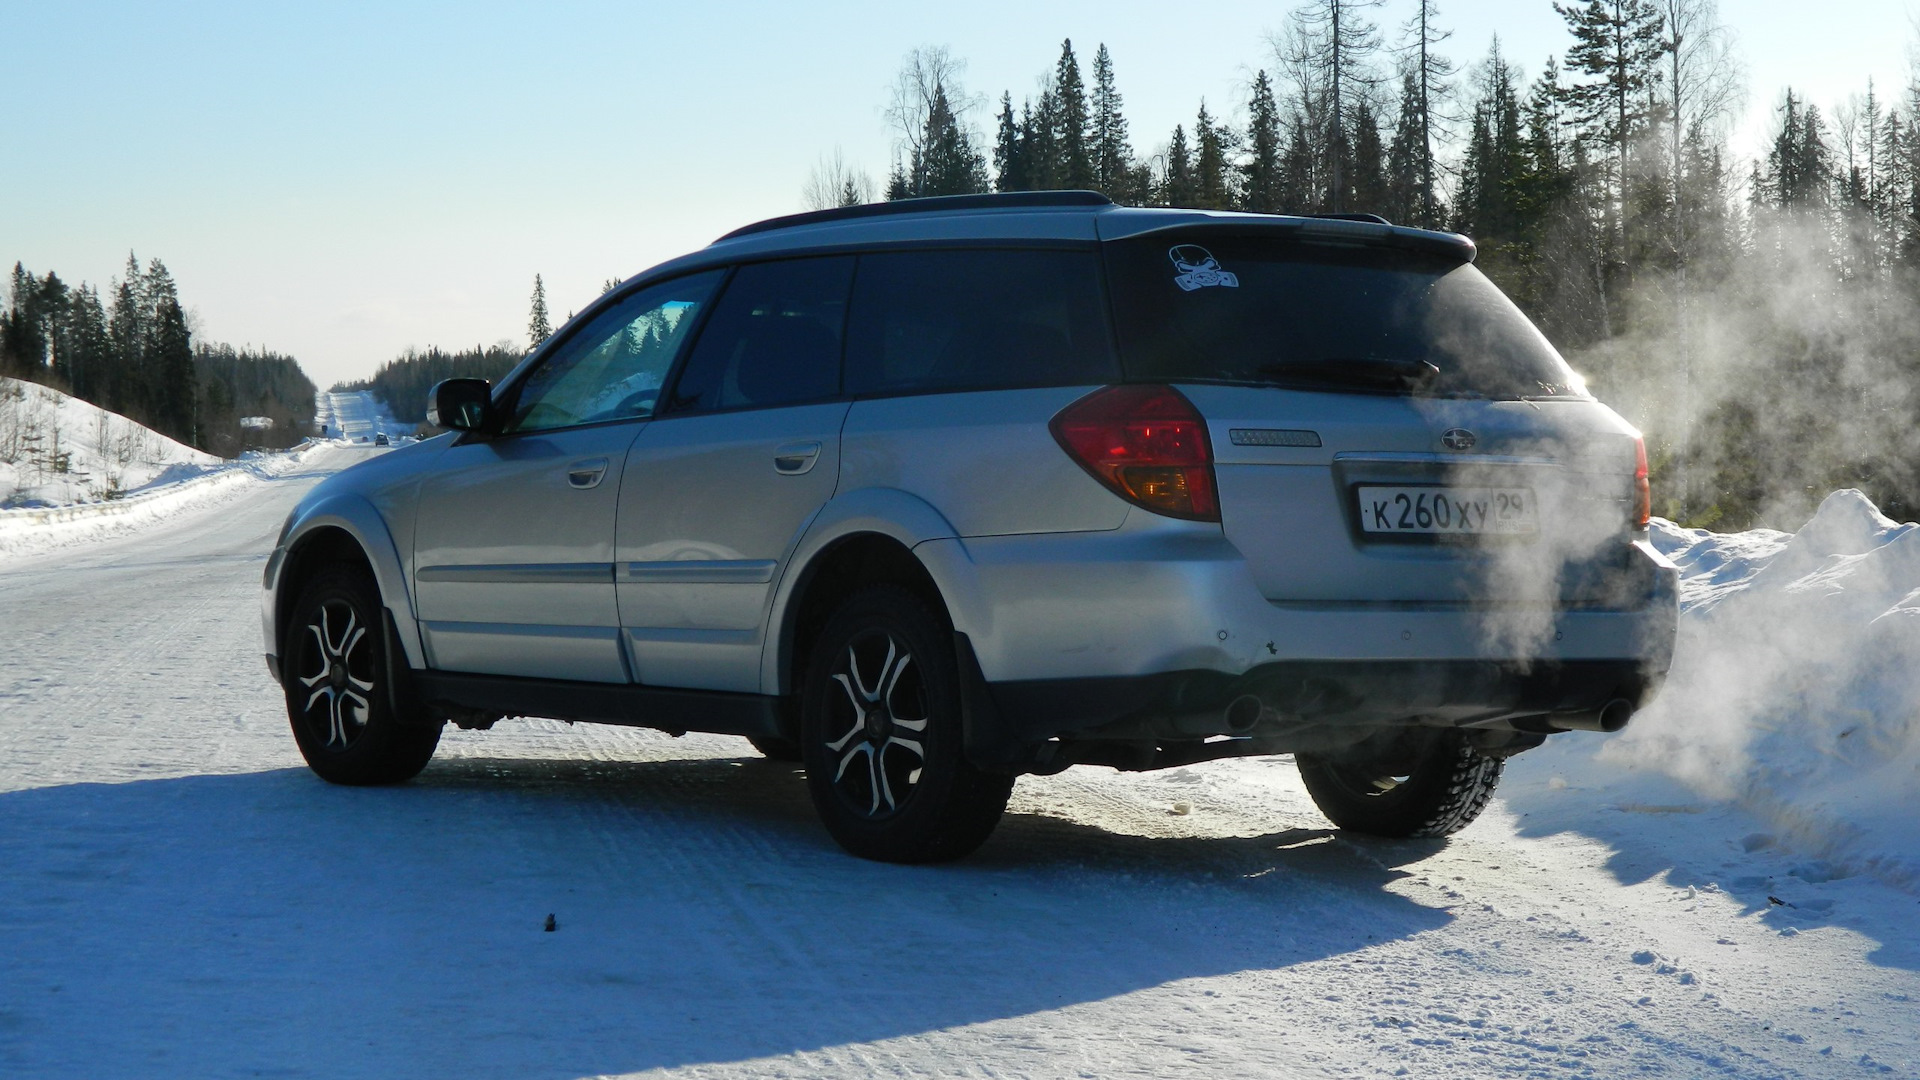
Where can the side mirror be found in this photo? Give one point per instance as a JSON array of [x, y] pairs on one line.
[[461, 404]]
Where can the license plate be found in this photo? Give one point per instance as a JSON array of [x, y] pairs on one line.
[[1465, 511]]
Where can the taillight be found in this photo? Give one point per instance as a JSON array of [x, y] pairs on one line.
[[1642, 490], [1147, 444]]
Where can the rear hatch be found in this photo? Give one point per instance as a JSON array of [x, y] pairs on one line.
[[1387, 428]]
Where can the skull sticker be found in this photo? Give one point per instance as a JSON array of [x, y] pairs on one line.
[[1199, 269]]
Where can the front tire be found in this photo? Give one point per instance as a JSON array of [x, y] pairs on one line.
[[337, 668], [1420, 782], [881, 735]]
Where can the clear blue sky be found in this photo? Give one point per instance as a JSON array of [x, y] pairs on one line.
[[342, 181]]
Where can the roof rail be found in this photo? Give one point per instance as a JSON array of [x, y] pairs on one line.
[[1375, 219], [926, 205]]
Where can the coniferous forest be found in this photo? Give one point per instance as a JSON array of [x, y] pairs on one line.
[[402, 383], [1759, 319], [132, 352]]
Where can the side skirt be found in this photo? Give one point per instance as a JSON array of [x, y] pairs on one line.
[[668, 709]]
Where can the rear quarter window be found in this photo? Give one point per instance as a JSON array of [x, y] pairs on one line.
[[1211, 307], [925, 321]]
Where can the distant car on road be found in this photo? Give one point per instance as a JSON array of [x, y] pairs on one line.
[[932, 494], [380, 439]]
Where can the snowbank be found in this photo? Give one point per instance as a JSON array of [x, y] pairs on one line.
[[1795, 689], [71, 471], [56, 449]]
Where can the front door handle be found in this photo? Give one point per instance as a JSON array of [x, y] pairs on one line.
[[794, 459], [587, 474]]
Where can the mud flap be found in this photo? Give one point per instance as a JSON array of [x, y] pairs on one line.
[[990, 741]]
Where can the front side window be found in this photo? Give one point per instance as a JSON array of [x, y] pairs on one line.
[[612, 368], [926, 321], [774, 338]]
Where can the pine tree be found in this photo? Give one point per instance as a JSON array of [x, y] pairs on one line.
[[539, 329], [1070, 127], [1112, 154], [1261, 180]]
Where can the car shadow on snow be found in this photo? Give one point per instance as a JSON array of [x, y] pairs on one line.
[[212, 925]]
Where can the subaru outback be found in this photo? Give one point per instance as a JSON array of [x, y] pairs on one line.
[[932, 494]]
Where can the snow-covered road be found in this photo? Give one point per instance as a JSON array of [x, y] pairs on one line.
[[180, 898]]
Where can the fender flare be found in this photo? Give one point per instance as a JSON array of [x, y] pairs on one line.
[[354, 515]]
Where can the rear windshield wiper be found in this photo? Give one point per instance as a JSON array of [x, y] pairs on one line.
[[1352, 370]]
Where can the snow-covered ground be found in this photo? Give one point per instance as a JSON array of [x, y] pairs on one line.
[[181, 898], [56, 449]]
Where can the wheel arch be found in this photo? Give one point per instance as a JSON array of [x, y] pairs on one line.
[[864, 537], [348, 529]]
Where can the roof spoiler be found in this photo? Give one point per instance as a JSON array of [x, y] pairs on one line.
[[1345, 230]]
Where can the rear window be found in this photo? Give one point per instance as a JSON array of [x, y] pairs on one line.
[[1208, 307], [925, 321]]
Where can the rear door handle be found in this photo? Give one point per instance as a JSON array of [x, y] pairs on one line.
[[794, 459], [587, 474]]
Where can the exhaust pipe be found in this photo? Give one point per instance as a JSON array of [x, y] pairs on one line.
[[1243, 714], [1609, 718]]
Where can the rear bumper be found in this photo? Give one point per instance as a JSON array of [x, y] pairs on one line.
[[1150, 632], [1161, 596]]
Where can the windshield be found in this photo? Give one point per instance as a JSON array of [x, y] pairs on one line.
[[1211, 307]]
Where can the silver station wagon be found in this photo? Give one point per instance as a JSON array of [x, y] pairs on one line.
[[932, 494]]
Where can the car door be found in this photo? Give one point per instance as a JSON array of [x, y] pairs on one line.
[[513, 549], [720, 488]]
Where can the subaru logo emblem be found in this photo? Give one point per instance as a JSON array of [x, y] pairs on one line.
[[1458, 439]]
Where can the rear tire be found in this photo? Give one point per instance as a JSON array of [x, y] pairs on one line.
[[1422, 782], [881, 735], [338, 670]]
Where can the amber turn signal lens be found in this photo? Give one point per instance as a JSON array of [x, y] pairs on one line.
[[1146, 444]]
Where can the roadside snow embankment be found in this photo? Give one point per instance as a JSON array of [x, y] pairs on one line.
[[1795, 689], [56, 449], [71, 471]]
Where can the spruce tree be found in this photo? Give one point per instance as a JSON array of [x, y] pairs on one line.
[[539, 329], [1113, 167], [1177, 186], [174, 381], [1405, 166], [1617, 45], [1212, 181], [1419, 132], [948, 164], [1074, 168], [1009, 166], [1261, 180], [1368, 187]]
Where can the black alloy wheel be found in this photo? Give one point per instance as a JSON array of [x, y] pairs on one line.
[[336, 668], [881, 735]]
